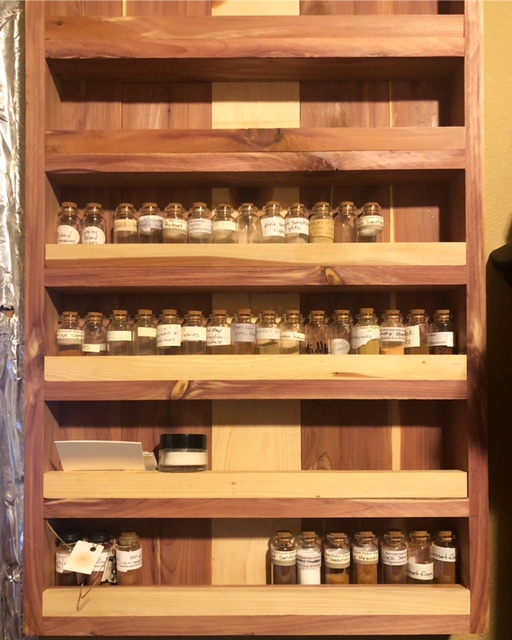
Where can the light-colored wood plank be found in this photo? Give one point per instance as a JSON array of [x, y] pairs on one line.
[[255, 7]]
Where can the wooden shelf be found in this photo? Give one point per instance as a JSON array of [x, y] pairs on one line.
[[260, 609]]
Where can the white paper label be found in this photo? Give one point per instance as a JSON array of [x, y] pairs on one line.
[[441, 339], [420, 571], [67, 235], [147, 224], [168, 335], [218, 336], [296, 225], [128, 560], [293, 335], [392, 334], [83, 557], [60, 559], [394, 557], [369, 225], [119, 336], [362, 335], [175, 224], [224, 225], [146, 332], [193, 334], [272, 227], [94, 348], [125, 224], [309, 562], [243, 332], [69, 336], [443, 554], [183, 458], [267, 333], [412, 336], [337, 558], [283, 558], [339, 346], [365, 555], [93, 235], [200, 226]]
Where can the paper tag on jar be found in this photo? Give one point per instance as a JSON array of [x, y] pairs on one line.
[[83, 557]]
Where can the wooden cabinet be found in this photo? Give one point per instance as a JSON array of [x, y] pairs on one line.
[[179, 101]]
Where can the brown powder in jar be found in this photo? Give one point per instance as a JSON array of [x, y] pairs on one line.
[[365, 573]]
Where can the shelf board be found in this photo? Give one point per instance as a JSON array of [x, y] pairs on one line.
[[258, 609], [394, 264]]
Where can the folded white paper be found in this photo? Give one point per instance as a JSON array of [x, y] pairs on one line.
[[100, 455]]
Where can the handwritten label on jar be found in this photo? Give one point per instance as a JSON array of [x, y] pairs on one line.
[[363, 335], [193, 334], [412, 336], [93, 235], [218, 336], [420, 571], [364, 555], [267, 333], [392, 334], [125, 224], [69, 336], [60, 560], [339, 346], [394, 557], [296, 225], [128, 560], [119, 336], [67, 235], [321, 230], [175, 224], [337, 558], [243, 332], [200, 226], [147, 224], [441, 339], [224, 225], [146, 332], [369, 225], [443, 554], [94, 348], [168, 335], [293, 335], [272, 227], [283, 558]]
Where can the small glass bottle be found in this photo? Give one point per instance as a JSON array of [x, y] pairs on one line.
[[129, 559], [343, 222], [337, 559], [444, 555], [174, 225], [125, 224], [104, 568], [309, 558], [199, 224], [93, 228], [420, 568], [392, 333], [317, 333], [69, 335], [393, 553], [183, 452], [272, 223], [168, 333], [119, 334], [283, 558], [341, 325], [95, 335], [248, 224], [369, 224], [267, 333], [150, 224], [441, 335], [365, 558], [416, 332], [144, 333], [69, 224], [243, 333], [65, 546], [218, 333], [365, 334], [193, 334], [293, 338], [296, 229], [321, 223], [224, 227]]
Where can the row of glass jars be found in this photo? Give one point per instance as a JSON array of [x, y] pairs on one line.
[[306, 559], [171, 335], [223, 226]]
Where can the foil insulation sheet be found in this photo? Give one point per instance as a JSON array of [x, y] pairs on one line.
[[11, 317]]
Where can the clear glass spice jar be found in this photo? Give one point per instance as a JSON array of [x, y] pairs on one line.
[[218, 333], [69, 224], [344, 222], [317, 333], [224, 227], [272, 223], [248, 224], [150, 224], [369, 224], [293, 338], [441, 334], [129, 559], [93, 227], [193, 334], [268, 334], [243, 333], [174, 225], [309, 558], [283, 558], [365, 558], [393, 553], [321, 223], [365, 334], [65, 545], [144, 333], [168, 333], [339, 343], [199, 224], [337, 558], [420, 568], [296, 229], [183, 452], [444, 556], [392, 333], [94, 335], [416, 332], [119, 334], [69, 335], [125, 224]]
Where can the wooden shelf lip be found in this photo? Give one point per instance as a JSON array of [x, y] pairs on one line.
[[256, 508], [244, 485]]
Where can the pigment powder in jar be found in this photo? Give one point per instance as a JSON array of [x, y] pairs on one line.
[[183, 452]]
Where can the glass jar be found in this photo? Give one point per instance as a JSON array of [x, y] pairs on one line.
[[343, 222], [125, 224], [119, 334], [267, 333], [199, 224], [65, 546], [93, 228], [393, 553], [420, 568], [444, 556], [441, 335], [392, 333], [150, 224], [95, 335], [144, 333], [337, 559], [369, 224], [248, 224], [69, 224], [416, 332], [296, 224], [69, 335], [168, 333], [365, 557], [365, 334], [317, 333], [224, 227], [218, 333], [243, 333], [341, 325], [283, 558], [183, 452], [104, 568], [321, 223], [291, 329], [272, 223], [309, 558], [193, 334], [174, 225], [129, 559]]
